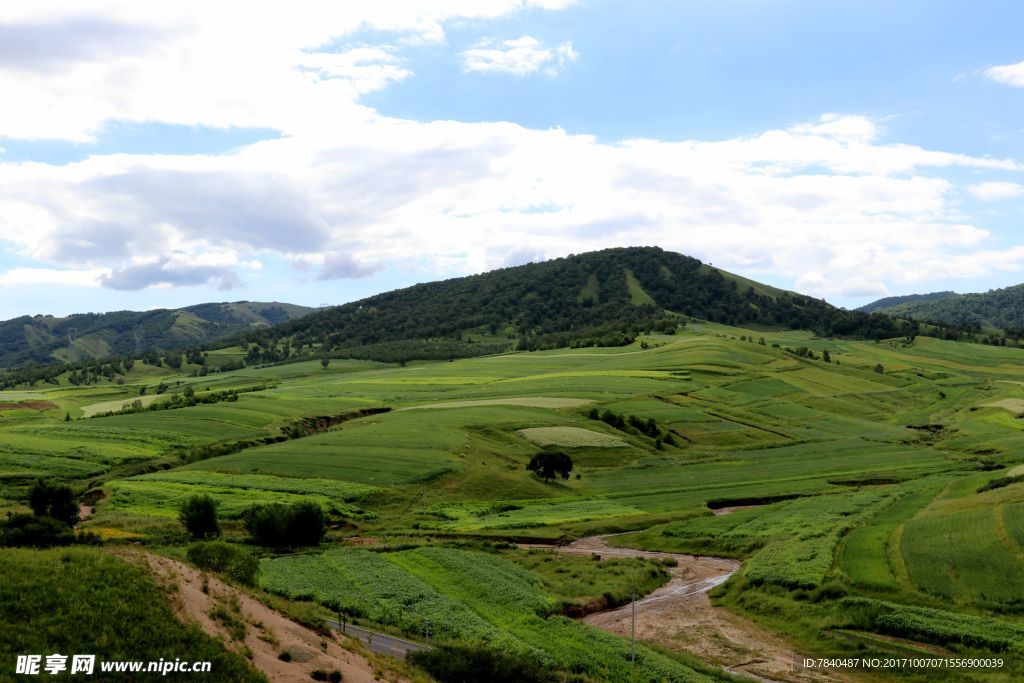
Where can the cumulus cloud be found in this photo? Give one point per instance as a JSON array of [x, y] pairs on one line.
[[996, 190], [1007, 74], [33, 277], [168, 273], [340, 265], [826, 203], [45, 46], [520, 57], [823, 202]]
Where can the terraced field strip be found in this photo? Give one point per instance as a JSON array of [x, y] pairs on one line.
[[528, 401]]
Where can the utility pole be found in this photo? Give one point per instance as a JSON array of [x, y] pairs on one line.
[[426, 631], [632, 644]]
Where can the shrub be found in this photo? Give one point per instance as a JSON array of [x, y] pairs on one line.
[[463, 663], [55, 501], [279, 525], [199, 515], [36, 532], [237, 563]]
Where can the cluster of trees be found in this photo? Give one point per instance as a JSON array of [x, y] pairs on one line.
[[274, 526], [648, 427], [185, 399], [54, 516], [286, 526]]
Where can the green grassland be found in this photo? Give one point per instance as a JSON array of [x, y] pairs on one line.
[[865, 472], [89, 602]]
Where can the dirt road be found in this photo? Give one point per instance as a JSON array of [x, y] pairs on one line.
[[680, 616]]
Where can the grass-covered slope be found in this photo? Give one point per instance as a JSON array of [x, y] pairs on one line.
[[85, 601]]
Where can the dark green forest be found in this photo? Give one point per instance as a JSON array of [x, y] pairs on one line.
[[604, 297], [998, 308]]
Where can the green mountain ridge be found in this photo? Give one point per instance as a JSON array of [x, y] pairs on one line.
[[579, 300], [997, 308], [47, 339]]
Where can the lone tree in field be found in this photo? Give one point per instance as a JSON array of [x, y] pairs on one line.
[[53, 500], [549, 464], [324, 362], [199, 515]]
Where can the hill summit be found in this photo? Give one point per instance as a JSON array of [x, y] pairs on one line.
[[580, 300]]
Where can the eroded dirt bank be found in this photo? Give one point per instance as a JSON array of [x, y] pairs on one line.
[[198, 598]]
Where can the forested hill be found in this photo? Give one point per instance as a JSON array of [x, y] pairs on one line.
[[581, 299], [1000, 308], [890, 303], [46, 339]]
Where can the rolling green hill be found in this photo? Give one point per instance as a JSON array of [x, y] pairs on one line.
[[998, 308], [45, 338], [603, 297]]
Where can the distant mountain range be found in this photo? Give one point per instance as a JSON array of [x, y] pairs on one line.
[[602, 298], [47, 339], [998, 308]]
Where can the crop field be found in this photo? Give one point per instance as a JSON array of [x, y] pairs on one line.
[[570, 437], [465, 595]]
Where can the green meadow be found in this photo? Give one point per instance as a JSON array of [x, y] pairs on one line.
[[861, 482]]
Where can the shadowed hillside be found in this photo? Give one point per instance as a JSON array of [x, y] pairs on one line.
[[45, 338]]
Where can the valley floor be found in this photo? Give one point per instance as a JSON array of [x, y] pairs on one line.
[[870, 505]]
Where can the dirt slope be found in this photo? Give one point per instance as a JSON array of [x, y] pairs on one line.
[[267, 633]]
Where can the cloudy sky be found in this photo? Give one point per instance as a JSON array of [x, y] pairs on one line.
[[163, 154]]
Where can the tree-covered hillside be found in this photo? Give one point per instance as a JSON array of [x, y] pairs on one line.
[[47, 339], [890, 302], [594, 296], [999, 308]]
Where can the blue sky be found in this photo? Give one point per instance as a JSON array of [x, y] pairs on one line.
[[162, 157]]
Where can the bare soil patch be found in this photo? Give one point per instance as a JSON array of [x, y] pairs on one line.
[[31, 405], [1014, 405], [198, 597], [680, 616]]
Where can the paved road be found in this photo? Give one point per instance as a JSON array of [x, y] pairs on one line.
[[379, 642]]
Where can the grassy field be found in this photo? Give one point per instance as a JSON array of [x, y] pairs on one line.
[[864, 474], [88, 602]]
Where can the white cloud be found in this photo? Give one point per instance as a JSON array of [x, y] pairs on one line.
[[520, 57], [995, 190], [346, 191], [34, 277], [1007, 74], [824, 202], [66, 70]]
